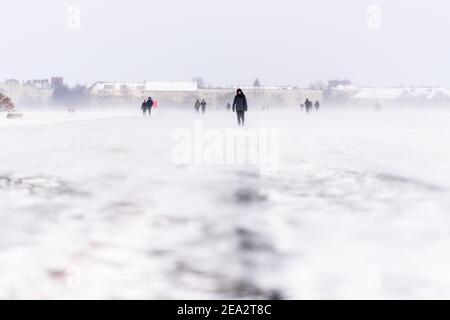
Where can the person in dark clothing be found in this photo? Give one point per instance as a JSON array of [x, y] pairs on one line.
[[149, 105], [144, 107], [228, 106], [308, 105], [240, 106], [317, 105], [197, 106], [203, 106]]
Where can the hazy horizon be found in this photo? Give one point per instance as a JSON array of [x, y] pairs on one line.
[[227, 43]]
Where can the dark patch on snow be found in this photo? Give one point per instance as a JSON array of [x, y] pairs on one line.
[[185, 267], [244, 289], [158, 252], [123, 208], [249, 174], [251, 241], [57, 274], [249, 195], [43, 186], [411, 182]]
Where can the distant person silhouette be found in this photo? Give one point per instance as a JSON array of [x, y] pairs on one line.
[[203, 106], [149, 105], [317, 105], [197, 106], [308, 105], [228, 106], [144, 107], [240, 106]]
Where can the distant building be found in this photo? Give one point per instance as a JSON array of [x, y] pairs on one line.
[[139, 89], [355, 94], [258, 96], [57, 82], [30, 92], [185, 93], [40, 84]]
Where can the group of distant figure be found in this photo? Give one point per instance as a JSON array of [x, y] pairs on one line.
[[201, 105], [147, 106], [308, 106], [239, 106], [14, 115]]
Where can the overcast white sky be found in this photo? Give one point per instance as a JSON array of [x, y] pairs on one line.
[[228, 42]]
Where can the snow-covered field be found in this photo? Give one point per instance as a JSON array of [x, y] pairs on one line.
[[92, 206]]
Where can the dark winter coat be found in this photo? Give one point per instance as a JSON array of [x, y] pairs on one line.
[[149, 103], [240, 103]]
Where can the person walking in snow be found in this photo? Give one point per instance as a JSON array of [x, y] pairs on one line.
[[308, 105], [240, 106], [149, 105], [317, 105], [203, 106], [144, 107], [197, 106]]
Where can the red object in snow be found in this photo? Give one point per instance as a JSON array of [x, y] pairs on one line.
[[155, 104]]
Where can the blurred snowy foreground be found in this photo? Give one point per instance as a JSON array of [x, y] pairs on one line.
[[98, 205]]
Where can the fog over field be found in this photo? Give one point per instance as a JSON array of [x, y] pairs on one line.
[[92, 205]]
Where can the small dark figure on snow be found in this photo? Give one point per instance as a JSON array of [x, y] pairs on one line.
[[197, 106], [228, 106], [144, 107], [14, 115], [240, 106], [308, 105], [317, 105], [203, 106], [149, 105]]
